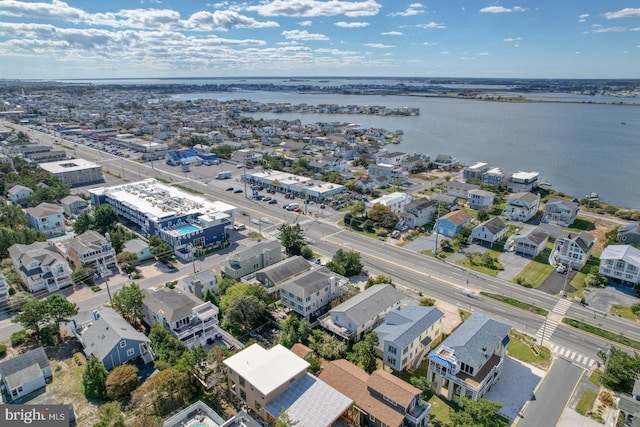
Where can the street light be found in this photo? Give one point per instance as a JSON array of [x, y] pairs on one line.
[[193, 256]]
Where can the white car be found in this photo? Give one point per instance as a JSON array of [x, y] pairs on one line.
[[239, 227]]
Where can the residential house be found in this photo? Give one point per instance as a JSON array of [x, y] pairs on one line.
[[406, 336], [391, 173], [470, 360], [302, 351], [92, 249], [481, 199], [529, 244], [328, 164], [459, 189], [187, 318], [252, 259], [521, 206], [274, 275], [492, 177], [366, 183], [489, 232], [200, 414], [197, 284], [629, 233], [396, 201], [271, 381], [47, 219], [572, 249], [112, 340], [361, 313], [450, 201], [138, 247], [24, 374], [72, 206], [19, 195], [418, 213], [474, 171], [381, 399], [561, 212], [445, 162], [390, 158], [415, 162], [621, 264], [522, 182], [4, 290], [451, 224], [40, 267], [311, 291]]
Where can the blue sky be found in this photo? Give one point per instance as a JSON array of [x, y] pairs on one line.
[[443, 38]]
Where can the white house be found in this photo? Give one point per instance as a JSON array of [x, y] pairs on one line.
[[24, 374], [521, 206], [572, 249], [523, 182], [19, 195], [530, 244], [621, 264], [312, 291], [47, 218], [480, 199], [489, 232], [396, 202], [40, 267], [418, 213], [561, 212]]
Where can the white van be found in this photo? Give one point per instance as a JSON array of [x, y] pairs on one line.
[[292, 206]]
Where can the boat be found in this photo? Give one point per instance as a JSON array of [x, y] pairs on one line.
[[544, 183], [592, 196], [623, 123]]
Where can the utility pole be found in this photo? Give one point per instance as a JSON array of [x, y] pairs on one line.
[[244, 179], [566, 279], [435, 226], [544, 331], [192, 249]]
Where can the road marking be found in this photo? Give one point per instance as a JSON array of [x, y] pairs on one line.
[[579, 358], [573, 355]]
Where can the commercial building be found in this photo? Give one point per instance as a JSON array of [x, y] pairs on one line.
[[76, 172], [181, 219], [299, 186]]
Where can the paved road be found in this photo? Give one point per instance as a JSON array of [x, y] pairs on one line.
[[552, 396]]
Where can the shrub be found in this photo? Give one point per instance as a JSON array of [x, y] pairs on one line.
[[18, 338], [3, 350], [427, 302], [95, 288]]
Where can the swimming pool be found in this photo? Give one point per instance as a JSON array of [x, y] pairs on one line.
[[186, 229]]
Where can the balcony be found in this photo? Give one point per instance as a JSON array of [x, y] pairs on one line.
[[477, 383], [416, 415]]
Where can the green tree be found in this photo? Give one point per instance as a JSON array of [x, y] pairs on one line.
[[110, 415], [240, 290], [224, 284], [345, 263], [477, 413], [622, 370], [292, 238], [160, 249], [377, 280], [32, 317], [306, 252], [164, 392], [128, 302], [421, 383], [244, 314], [121, 381], [383, 216], [83, 274], [212, 298], [358, 208], [94, 379], [166, 347], [104, 217], [483, 215], [59, 310], [364, 352], [83, 223], [18, 301]]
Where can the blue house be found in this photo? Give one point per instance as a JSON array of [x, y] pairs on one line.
[[450, 224], [138, 247], [112, 339]]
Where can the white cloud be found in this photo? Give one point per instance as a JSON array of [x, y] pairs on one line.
[[577, 52], [483, 54], [634, 29], [512, 39], [623, 13], [429, 44], [379, 45], [445, 53], [412, 10], [316, 8], [343, 24], [501, 9], [305, 23], [584, 16], [392, 33], [303, 35], [431, 25], [597, 28]]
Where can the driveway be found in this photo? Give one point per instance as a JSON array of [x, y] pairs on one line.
[[604, 298], [423, 243], [556, 283], [513, 264]]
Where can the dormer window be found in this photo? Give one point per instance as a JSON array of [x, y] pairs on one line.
[[123, 343]]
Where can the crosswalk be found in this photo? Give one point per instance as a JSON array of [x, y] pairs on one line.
[[562, 306], [573, 356], [546, 330]]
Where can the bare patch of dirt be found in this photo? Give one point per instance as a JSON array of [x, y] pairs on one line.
[[602, 228]]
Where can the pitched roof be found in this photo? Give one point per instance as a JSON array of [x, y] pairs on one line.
[[405, 325], [285, 269], [44, 209], [174, 304], [494, 225], [135, 245], [584, 240], [72, 199], [17, 189], [420, 204], [627, 253], [525, 196], [90, 239], [472, 340], [369, 303], [107, 331], [536, 235], [301, 350], [24, 367], [566, 204], [457, 217], [355, 382], [310, 282]]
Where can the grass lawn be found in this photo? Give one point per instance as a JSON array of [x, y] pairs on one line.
[[623, 311], [578, 283], [611, 336], [582, 224], [440, 411], [595, 377], [523, 348], [537, 271], [477, 267], [516, 303], [586, 402]]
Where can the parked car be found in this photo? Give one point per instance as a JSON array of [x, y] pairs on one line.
[[239, 227], [229, 189], [267, 199], [273, 202], [322, 206], [238, 191], [297, 209]]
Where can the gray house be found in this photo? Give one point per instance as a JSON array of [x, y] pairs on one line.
[[560, 212], [138, 247], [19, 195], [530, 244], [489, 232], [112, 339], [72, 206], [252, 259], [199, 283], [276, 274], [630, 233], [358, 315], [312, 291], [418, 213], [24, 374]]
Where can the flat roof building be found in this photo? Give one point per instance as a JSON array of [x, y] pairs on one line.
[[299, 186], [75, 172]]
